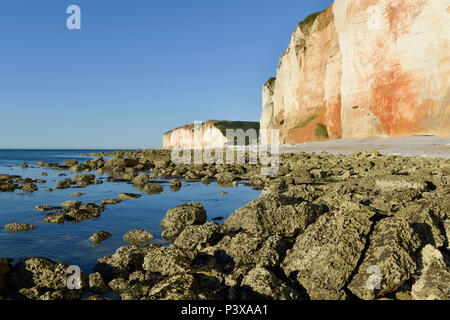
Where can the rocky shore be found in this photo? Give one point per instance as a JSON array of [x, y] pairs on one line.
[[357, 226]]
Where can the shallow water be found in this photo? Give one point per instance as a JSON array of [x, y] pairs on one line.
[[69, 243]]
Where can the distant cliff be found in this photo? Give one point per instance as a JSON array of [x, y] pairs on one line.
[[364, 68], [213, 134]]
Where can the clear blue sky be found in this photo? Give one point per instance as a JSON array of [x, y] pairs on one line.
[[137, 68]]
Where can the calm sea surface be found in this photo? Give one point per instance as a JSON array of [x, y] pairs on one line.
[[69, 243]]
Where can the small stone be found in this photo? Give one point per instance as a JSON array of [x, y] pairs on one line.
[[99, 237], [19, 227], [127, 196], [57, 218], [138, 236], [111, 201], [77, 194]]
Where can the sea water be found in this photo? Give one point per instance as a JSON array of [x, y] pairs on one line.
[[69, 243]]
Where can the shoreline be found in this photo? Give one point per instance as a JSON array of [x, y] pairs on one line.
[[320, 222]]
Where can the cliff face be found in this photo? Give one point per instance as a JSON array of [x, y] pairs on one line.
[[211, 135], [364, 68]]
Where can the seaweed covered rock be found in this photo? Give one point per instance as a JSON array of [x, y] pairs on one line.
[[138, 237], [274, 213], [199, 236], [100, 236], [42, 273], [178, 218], [434, 281], [167, 260], [261, 283], [19, 227], [392, 254], [324, 257], [124, 261]]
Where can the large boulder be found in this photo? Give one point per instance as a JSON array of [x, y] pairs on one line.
[[391, 256], [138, 237], [324, 257], [272, 213], [41, 273], [167, 260], [84, 179], [434, 282], [178, 218], [199, 236], [261, 283], [124, 261]]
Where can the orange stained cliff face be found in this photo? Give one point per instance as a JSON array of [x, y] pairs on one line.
[[364, 68]]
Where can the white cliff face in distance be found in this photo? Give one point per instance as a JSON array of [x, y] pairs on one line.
[[212, 134]]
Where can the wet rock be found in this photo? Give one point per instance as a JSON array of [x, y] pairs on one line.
[[24, 165], [138, 237], [261, 283], [119, 285], [49, 190], [392, 253], [178, 218], [207, 180], [175, 184], [178, 287], [19, 227], [57, 218], [199, 236], [324, 256], [434, 282], [111, 201], [71, 205], [29, 187], [167, 260], [152, 188], [100, 236], [70, 163], [7, 184], [248, 248], [127, 196], [46, 207], [141, 179], [421, 216], [272, 213], [124, 261], [64, 184], [84, 211], [43, 273], [44, 174], [77, 194], [96, 283], [84, 180]]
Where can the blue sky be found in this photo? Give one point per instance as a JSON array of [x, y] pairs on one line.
[[137, 68]]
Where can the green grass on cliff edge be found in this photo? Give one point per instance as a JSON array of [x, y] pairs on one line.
[[309, 20], [321, 131]]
